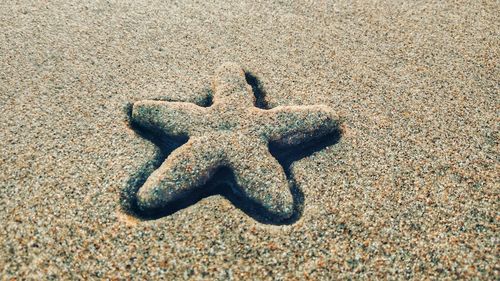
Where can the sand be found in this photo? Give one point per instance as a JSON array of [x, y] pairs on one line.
[[410, 190]]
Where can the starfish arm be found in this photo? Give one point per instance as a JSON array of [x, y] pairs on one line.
[[261, 179], [290, 125], [188, 167], [231, 88], [176, 119]]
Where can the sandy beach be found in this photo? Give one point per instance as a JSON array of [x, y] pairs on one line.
[[409, 189]]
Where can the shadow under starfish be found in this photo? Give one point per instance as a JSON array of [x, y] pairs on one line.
[[222, 182]]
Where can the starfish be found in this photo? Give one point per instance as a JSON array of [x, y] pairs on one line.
[[231, 133]]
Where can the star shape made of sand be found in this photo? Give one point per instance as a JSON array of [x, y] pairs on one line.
[[232, 133]]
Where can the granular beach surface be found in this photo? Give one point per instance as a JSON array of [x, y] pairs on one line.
[[408, 190]]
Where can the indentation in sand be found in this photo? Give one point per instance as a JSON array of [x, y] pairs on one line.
[[232, 145]]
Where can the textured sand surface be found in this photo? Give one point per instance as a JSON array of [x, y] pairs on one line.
[[411, 190]]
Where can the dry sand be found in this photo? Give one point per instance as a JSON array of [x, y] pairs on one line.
[[411, 190]]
